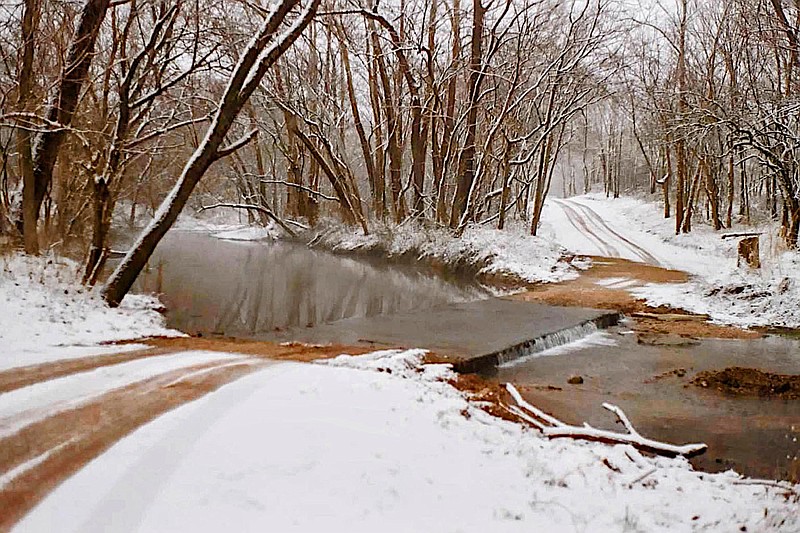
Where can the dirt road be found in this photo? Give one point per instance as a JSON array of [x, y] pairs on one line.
[[56, 417], [600, 234]]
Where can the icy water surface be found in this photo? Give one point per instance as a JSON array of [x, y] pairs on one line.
[[755, 436], [234, 288]]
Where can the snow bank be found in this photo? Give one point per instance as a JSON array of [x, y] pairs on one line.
[[729, 294], [45, 313], [247, 233], [508, 253], [762, 298], [329, 447]]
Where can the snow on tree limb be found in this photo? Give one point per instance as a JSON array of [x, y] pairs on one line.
[[552, 428]]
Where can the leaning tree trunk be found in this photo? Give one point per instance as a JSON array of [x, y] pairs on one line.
[[245, 79]]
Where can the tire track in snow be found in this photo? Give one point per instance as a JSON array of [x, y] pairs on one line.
[[589, 218], [27, 405], [579, 223], [19, 377], [635, 248], [45, 452]]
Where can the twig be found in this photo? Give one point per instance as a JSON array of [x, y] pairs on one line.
[[640, 478], [309, 190], [742, 234], [516, 411], [528, 407]]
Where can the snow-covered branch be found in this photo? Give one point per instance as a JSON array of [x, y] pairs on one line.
[[261, 209], [239, 143], [553, 428]]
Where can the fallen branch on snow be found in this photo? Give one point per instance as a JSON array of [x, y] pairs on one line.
[[554, 428]]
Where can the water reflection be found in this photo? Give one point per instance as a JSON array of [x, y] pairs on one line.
[[244, 289]]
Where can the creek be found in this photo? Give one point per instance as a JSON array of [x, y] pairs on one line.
[[212, 286], [270, 290]]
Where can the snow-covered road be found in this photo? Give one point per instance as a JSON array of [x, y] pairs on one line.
[[635, 229], [630, 229], [343, 447], [51, 426], [28, 405], [594, 236]]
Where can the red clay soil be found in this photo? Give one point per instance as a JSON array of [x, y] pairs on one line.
[[70, 439], [587, 292], [24, 376], [750, 382], [486, 394], [287, 351]]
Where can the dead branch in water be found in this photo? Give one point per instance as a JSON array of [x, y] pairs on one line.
[[553, 428]]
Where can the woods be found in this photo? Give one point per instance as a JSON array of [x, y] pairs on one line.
[[440, 112]]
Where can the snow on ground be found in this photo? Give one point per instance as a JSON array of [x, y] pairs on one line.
[[27, 405], [622, 227], [223, 223], [350, 446], [511, 252], [46, 314], [625, 227], [248, 233]]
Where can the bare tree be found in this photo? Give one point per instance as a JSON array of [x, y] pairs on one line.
[[268, 44], [62, 109]]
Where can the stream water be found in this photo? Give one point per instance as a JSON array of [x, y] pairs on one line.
[[756, 436], [235, 288], [261, 289]]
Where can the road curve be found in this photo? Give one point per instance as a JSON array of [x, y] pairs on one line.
[[597, 230]]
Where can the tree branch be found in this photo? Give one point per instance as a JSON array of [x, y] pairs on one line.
[[260, 209], [241, 142], [553, 428]]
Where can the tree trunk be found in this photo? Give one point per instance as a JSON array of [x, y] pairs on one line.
[[731, 191], [379, 198], [466, 166], [712, 193], [297, 200], [506, 177], [245, 79], [680, 145], [30, 211], [100, 225], [366, 148], [392, 135], [61, 111], [448, 131], [666, 183], [689, 206]]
